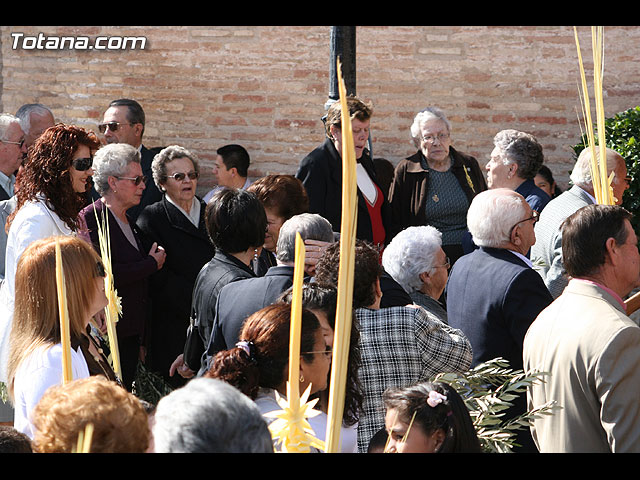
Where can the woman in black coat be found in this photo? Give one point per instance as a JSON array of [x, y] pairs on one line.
[[177, 223], [321, 174]]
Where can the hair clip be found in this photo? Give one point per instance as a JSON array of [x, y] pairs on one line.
[[248, 348], [435, 398]]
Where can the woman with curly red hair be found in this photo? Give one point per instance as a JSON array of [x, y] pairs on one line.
[[53, 185]]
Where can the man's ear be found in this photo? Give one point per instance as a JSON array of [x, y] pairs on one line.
[[138, 128], [611, 248]]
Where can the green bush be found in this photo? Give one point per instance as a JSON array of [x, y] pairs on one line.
[[622, 134]]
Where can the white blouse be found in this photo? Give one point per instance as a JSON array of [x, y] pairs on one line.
[[37, 372]]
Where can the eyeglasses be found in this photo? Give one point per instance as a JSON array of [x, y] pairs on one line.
[[446, 265], [101, 270], [181, 176], [441, 137], [136, 180], [82, 164], [327, 352], [113, 126], [20, 143], [534, 216]]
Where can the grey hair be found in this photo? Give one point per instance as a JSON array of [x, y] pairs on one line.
[[521, 149], [410, 253], [429, 113], [112, 161], [581, 173], [309, 225], [166, 155], [6, 120], [25, 111], [209, 416], [492, 214]]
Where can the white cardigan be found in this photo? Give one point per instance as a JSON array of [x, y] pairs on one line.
[[33, 221]]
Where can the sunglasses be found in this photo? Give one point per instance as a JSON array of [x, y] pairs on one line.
[[82, 164], [112, 126], [100, 269], [181, 176], [136, 180]]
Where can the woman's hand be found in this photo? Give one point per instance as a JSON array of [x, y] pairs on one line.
[[179, 366], [158, 253], [312, 252]]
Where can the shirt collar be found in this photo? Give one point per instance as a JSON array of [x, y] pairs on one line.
[[7, 182], [606, 289], [523, 258], [193, 215]]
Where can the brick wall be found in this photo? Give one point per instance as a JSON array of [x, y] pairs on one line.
[[265, 87]]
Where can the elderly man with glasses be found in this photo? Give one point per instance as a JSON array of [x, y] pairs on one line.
[[494, 294], [12, 151], [124, 122]]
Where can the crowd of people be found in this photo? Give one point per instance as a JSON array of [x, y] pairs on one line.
[[455, 264]]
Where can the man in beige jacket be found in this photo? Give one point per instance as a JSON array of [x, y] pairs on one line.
[[587, 343]]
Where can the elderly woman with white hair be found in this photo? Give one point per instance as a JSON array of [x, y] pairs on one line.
[[177, 222], [435, 185], [415, 259], [493, 293], [118, 178]]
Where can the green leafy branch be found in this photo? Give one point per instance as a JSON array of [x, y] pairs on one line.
[[488, 391]]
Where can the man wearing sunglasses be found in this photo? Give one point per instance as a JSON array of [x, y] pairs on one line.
[[12, 151], [493, 293], [124, 122]]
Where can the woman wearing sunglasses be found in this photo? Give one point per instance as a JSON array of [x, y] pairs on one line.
[[53, 184], [118, 179], [177, 223]]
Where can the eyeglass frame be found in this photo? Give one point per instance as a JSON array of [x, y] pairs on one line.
[[136, 180], [82, 164], [20, 143], [535, 216], [102, 127], [430, 139], [328, 352], [180, 176], [101, 270], [446, 265]]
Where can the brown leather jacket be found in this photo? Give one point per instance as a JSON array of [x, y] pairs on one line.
[[411, 181]]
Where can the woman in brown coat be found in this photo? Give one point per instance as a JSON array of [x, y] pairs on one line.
[[435, 186]]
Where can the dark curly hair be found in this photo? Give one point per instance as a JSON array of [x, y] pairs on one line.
[[46, 172], [266, 333], [367, 271]]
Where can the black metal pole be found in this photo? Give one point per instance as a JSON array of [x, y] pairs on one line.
[[343, 46]]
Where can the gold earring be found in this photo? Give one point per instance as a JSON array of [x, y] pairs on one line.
[[301, 378]]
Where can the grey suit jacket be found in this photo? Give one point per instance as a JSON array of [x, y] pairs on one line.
[[547, 250], [6, 208], [591, 350]]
